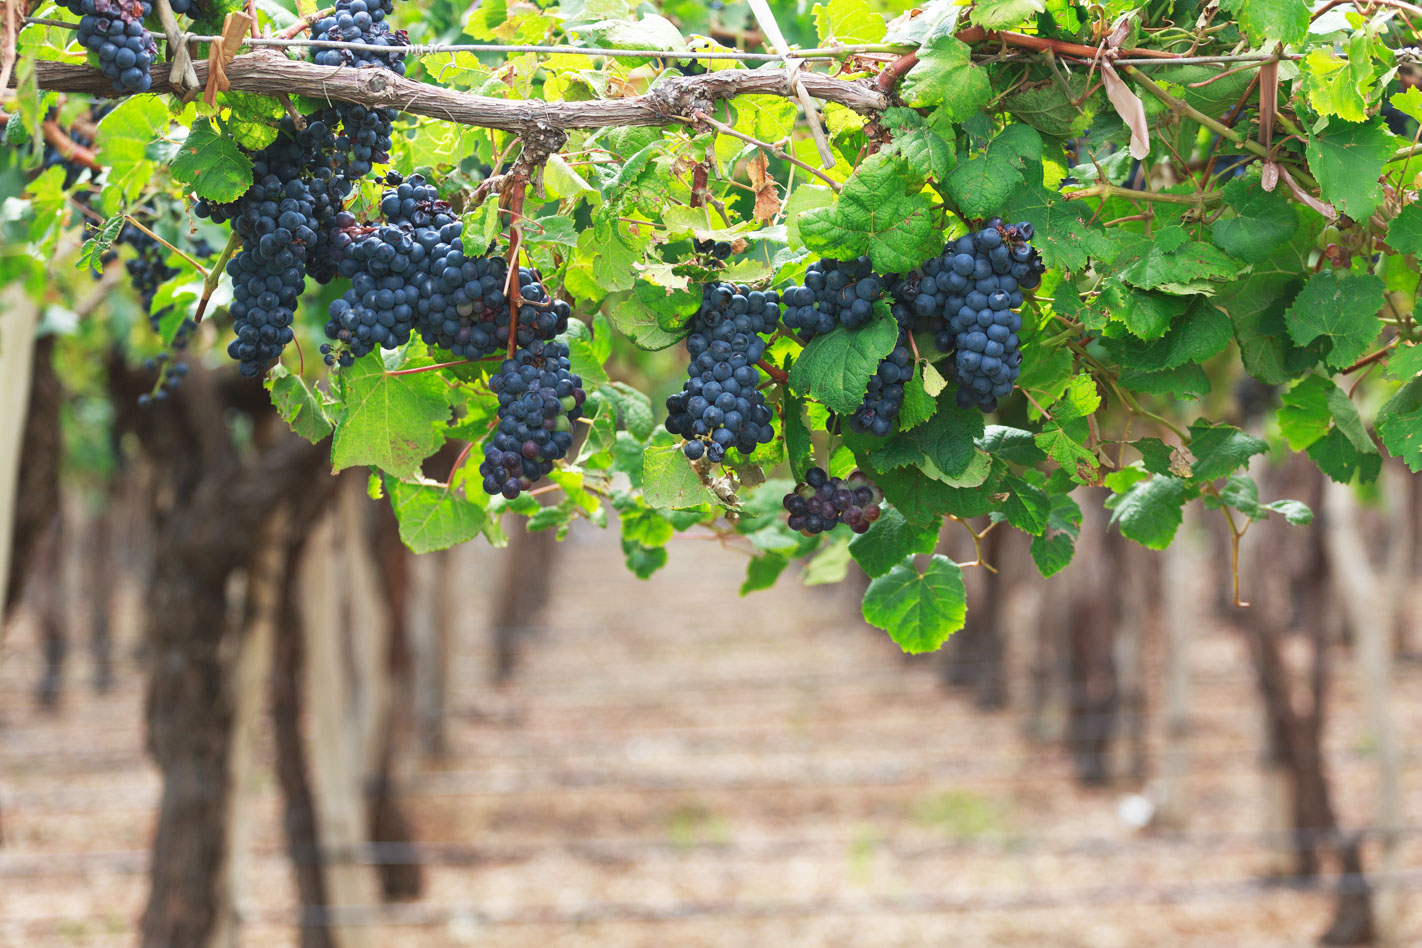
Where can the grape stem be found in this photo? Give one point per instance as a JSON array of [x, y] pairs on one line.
[[514, 194], [214, 276], [200, 268], [458, 463], [780, 376], [977, 543]]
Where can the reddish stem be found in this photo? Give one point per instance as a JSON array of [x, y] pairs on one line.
[[894, 71], [976, 34], [517, 191], [458, 463], [431, 368], [778, 375], [69, 148]]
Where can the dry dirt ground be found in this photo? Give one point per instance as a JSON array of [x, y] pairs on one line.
[[676, 766]]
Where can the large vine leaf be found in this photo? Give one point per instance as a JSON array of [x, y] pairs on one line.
[[848, 21], [1052, 551], [1347, 161], [669, 480], [1404, 234], [1151, 511], [918, 610], [1005, 14], [301, 407], [213, 164], [433, 516], [386, 420], [1400, 424], [881, 212], [1263, 221], [1341, 306], [945, 77], [891, 539], [835, 368], [1220, 449], [1268, 20]]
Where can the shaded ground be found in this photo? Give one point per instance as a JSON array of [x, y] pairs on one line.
[[676, 766]]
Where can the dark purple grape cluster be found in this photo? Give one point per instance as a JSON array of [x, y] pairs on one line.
[[823, 501], [539, 399], [971, 293], [147, 271], [412, 275], [835, 293], [885, 395], [720, 249], [365, 132], [113, 31], [721, 406]]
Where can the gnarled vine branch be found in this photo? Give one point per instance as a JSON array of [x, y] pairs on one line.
[[272, 73]]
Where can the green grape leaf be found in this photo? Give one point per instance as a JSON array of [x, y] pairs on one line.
[[927, 152], [1220, 449], [1191, 268], [644, 316], [1336, 456], [835, 368], [94, 249], [388, 421], [850, 22], [433, 516], [890, 540], [1303, 412], [213, 164], [1185, 382], [1027, 507], [831, 565], [1256, 304], [1146, 314], [669, 480], [881, 212], [1267, 20], [1005, 14], [799, 448], [1263, 221], [1151, 511], [128, 144], [1347, 162], [1053, 549], [946, 440], [1193, 335], [1338, 86], [643, 561], [1049, 108], [1403, 363], [1342, 306], [1404, 234], [1063, 236], [918, 610], [1066, 444], [303, 409], [981, 185], [762, 572], [1011, 444], [1345, 418], [945, 77], [1399, 424], [918, 405]]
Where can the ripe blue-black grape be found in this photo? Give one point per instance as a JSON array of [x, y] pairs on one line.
[[412, 275], [720, 406], [970, 295], [539, 399], [835, 293], [147, 271], [365, 132], [113, 31], [823, 501]]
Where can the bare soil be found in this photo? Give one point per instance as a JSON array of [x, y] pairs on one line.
[[677, 766]]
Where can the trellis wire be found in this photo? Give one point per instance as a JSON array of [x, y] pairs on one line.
[[822, 53]]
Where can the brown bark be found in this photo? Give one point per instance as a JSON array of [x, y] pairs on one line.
[[48, 600], [99, 582], [207, 501], [390, 829], [528, 565], [979, 649], [41, 449], [1093, 614], [288, 659], [271, 73]]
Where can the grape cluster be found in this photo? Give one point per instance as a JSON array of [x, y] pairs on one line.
[[835, 293], [885, 395], [147, 271], [282, 221], [365, 139], [113, 31], [411, 275], [720, 249], [823, 501], [539, 399], [974, 289], [721, 406]]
